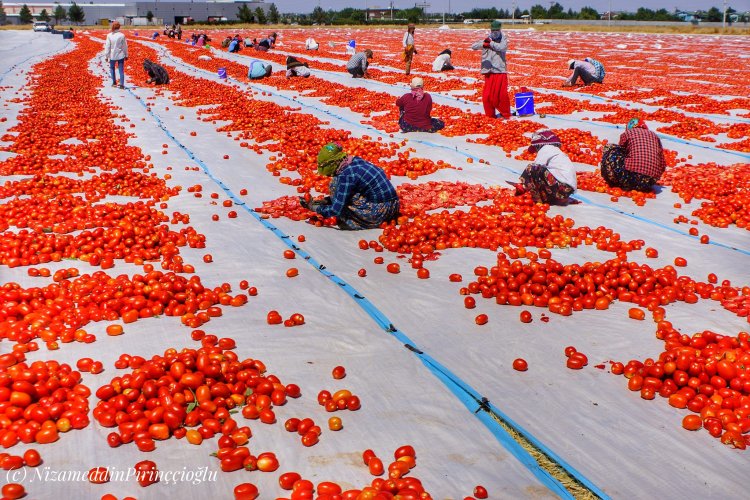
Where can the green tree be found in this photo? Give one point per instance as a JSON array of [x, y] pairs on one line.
[[3, 15], [714, 15], [59, 14], [260, 15], [244, 14], [358, 16], [538, 12], [24, 15], [76, 14], [588, 13], [149, 16], [273, 14], [318, 15], [44, 16], [556, 11]]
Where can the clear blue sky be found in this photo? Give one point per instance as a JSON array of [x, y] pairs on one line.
[[465, 5]]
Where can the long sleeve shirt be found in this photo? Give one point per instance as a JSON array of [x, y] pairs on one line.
[[643, 152], [558, 164], [416, 112], [440, 62], [408, 39], [358, 59], [116, 47], [359, 177], [493, 57]]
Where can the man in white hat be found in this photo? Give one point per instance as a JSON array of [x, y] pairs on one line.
[[414, 110]]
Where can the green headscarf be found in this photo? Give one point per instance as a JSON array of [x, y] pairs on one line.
[[329, 159]]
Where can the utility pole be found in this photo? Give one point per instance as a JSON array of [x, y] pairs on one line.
[[513, 14], [724, 20], [609, 14]]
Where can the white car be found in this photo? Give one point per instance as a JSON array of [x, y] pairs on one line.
[[42, 26]]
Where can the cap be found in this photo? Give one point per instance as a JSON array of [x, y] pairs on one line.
[[496, 25], [417, 82], [543, 138]]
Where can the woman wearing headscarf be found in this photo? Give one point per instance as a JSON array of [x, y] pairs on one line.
[[116, 53], [443, 61], [296, 68], [551, 178], [637, 162], [414, 110], [409, 48], [156, 74], [362, 197], [495, 92]]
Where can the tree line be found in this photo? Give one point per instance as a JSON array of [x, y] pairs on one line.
[[74, 14]]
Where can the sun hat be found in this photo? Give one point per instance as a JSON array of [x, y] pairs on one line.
[[417, 81], [496, 25]]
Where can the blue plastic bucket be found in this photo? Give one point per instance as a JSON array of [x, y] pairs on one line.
[[525, 103], [223, 74]]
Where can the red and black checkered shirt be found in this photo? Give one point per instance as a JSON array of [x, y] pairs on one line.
[[643, 152]]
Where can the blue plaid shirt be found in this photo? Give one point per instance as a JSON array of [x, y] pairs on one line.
[[360, 177]]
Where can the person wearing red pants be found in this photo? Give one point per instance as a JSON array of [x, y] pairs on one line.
[[495, 92]]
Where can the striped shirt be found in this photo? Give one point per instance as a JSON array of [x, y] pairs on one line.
[[643, 152], [358, 60], [359, 177]]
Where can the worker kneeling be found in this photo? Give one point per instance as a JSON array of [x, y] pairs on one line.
[[156, 74], [362, 197], [414, 110], [258, 69], [637, 162]]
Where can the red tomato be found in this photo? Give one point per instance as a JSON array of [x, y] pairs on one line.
[[456, 278], [525, 317], [245, 491], [520, 364], [287, 480], [480, 491], [362, 273], [289, 254], [481, 319], [13, 491], [98, 475], [32, 458], [393, 268], [339, 372]]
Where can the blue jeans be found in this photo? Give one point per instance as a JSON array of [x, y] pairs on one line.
[[121, 66]]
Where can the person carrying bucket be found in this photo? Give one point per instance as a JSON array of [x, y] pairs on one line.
[[495, 92], [589, 71], [551, 178], [637, 162]]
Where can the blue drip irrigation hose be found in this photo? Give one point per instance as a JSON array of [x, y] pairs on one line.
[[468, 396]]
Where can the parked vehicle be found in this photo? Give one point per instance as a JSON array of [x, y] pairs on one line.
[[42, 26]]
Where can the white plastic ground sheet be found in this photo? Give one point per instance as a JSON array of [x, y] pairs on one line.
[[622, 445]]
